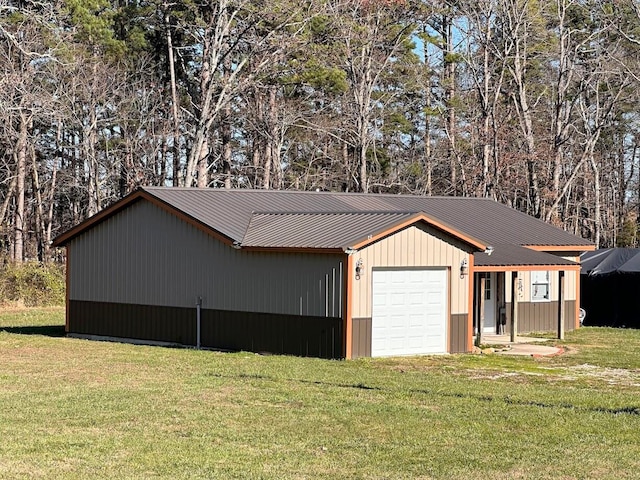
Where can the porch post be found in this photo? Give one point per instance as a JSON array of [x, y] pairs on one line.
[[514, 306], [561, 305], [481, 307]]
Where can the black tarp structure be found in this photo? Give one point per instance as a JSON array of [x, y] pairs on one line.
[[610, 287]]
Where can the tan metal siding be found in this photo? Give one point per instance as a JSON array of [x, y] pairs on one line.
[[415, 246], [144, 255], [570, 286], [570, 280], [570, 292]]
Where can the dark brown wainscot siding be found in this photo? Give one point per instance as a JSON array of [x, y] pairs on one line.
[[458, 332], [140, 322], [361, 343], [225, 330], [271, 333], [541, 316]]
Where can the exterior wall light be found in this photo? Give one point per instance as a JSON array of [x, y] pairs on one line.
[[464, 268], [359, 269]]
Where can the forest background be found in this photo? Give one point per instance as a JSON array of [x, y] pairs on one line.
[[531, 103]]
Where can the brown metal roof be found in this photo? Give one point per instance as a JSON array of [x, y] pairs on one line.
[[514, 255], [266, 218], [230, 212], [318, 230]]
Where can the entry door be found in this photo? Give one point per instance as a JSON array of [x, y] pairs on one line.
[[409, 314], [489, 303]]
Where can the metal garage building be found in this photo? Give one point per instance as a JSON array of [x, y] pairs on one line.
[[333, 275]]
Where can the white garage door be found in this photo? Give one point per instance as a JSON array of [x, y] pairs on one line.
[[409, 312]]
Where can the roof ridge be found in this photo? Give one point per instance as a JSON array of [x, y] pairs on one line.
[[315, 192], [338, 212]]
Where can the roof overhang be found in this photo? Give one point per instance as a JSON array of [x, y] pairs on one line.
[[526, 268], [511, 258]]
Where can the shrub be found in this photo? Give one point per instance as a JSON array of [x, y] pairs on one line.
[[33, 284]]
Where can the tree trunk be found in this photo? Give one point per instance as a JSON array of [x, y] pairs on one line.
[[39, 223], [174, 98], [205, 114], [225, 135], [21, 163], [450, 92], [361, 150], [203, 166], [255, 161], [90, 141], [7, 200], [268, 158], [346, 187], [50, 199], [526, 124], [362, 131], [562, 109], [597, 223], [274, 139]]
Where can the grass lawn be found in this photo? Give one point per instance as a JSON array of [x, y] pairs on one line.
[[80, 409]]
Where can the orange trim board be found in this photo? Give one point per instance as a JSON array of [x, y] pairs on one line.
[[429, 221]]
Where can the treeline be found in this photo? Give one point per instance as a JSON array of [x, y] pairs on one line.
[[532, 103]]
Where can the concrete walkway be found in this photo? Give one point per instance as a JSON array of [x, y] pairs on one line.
[[526, 346], [532, 350]]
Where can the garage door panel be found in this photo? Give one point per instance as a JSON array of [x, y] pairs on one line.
[[397, 324], [380, 301], [409, 312], [415, 324], [398, 300], [415, 298]]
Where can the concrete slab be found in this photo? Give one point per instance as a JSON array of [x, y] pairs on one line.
[[506, 339], [526, 346], [531, 350]]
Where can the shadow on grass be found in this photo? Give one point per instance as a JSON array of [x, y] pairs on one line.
[[46, 330], [507, 399]]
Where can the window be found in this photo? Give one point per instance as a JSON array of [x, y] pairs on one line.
[[487, 286], [540, 287]]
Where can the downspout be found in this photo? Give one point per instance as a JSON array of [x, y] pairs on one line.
[[198, 308]]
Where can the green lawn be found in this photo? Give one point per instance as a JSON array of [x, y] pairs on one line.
[[79, 409]]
